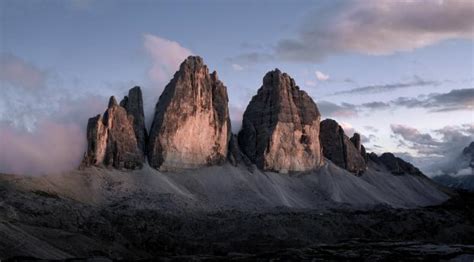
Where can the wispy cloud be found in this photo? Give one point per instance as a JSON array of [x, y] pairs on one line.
[[435, 153], [370, 89], [454, 100], [237, 67], [336, 27], [457, 99], [321, 76], [251, 58], [329, 109], [166, 57], [37, 116], [358, 27], [20, 73]]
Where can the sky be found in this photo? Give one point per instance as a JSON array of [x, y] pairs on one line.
[[401, 73]]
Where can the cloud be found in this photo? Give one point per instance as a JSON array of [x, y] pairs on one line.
[[310, 83], [251, 58], [321, 76], [19, 73], [454, 100], [442, 152], [413, 135], [53, 147], [377, 28], [237, 67], [329, 109], [371, 129], [375, 105], [166, 57], [370, 89], [348, 129], [39, 114], [457, 99], [61, 132]]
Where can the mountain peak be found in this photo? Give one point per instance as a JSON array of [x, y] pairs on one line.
[[280, 128], [192, 63], [191, 127], [112, 102], [112, 139], [342, 151]]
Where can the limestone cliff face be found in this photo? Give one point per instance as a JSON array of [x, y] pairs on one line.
[[133, 104], [111, 139], [191, 126], [338, 148], [280, 128], [355, 139]]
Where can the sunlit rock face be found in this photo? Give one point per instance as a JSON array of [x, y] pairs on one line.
[[342, 151], [191, 126], [111, 139], [280, 128]]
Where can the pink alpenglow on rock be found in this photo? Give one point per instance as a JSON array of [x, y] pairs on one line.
[[111, 138], [280, 128], [191, 126]]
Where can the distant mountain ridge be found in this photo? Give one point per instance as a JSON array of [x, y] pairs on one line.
[[461, 176]]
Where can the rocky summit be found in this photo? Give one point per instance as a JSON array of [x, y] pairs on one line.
[[396, 165], [342, 151], [191, 126], [111, 139], [280, 128], [133, 103]]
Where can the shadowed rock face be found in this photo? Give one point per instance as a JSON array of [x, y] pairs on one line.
[[133, 103], [355, 139], [342, 151], [191, 126], [280, 128], [111, 139], [469, 153], [398, 166]]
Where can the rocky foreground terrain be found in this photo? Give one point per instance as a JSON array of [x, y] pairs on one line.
[[225, 212], [287, 187]]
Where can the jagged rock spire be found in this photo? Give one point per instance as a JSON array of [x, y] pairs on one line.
[[191, 126], [280, 128], [342, 151], [133, 103], [111, 138]]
